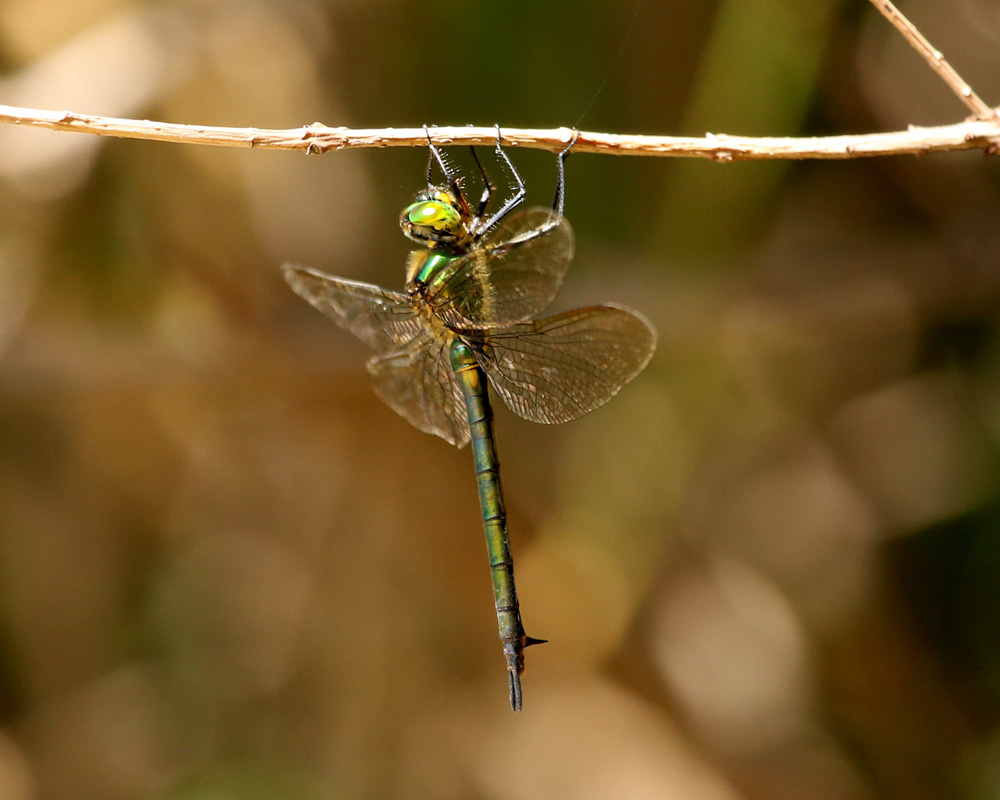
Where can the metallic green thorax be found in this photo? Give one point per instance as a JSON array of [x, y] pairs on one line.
[[472, 379], [433, 267]]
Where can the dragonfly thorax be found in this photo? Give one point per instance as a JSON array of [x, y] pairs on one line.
[[425, 269], [437, 219]]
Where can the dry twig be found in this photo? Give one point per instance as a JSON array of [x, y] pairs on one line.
[[969, 135], [935, 59], [981, 132]]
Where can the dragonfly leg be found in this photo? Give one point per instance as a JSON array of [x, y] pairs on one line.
[[556, 214], [436, 156], [560, 197], [514, 200], [488, 188], [430, 155]]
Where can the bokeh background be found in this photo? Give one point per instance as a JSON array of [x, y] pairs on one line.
[[770, 568]]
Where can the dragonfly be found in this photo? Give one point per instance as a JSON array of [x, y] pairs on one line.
[[467, 323]]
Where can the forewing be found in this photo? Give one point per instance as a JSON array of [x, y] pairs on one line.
[[512, 277], [418, 383], [558, 368], [382, 319]]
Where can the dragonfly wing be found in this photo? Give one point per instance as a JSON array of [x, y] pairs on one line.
[[417, 382], [558, 368], [382, 319], [512, 277]]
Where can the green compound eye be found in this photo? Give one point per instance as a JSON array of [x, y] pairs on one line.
[[433, 214]]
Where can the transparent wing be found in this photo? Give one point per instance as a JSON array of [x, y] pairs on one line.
[[512, 277], [556, 369], [382, 319], [412, 373], [419, 385]]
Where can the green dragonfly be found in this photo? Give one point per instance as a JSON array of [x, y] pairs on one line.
[[467, 320]]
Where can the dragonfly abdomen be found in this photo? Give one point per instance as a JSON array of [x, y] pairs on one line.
[[472, 379]]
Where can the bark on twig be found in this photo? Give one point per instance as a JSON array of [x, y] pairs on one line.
[[981, 134]]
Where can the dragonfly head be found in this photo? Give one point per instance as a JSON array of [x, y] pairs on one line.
[[435, 218]]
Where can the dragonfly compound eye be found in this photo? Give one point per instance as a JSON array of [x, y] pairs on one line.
[[433, 214]]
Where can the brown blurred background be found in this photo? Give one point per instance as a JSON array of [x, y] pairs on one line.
[[769, 569]]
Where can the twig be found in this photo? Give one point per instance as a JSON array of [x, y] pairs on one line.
[[981, 134], [935, 59]]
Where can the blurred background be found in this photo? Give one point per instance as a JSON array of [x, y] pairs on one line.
[[768, 569]]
